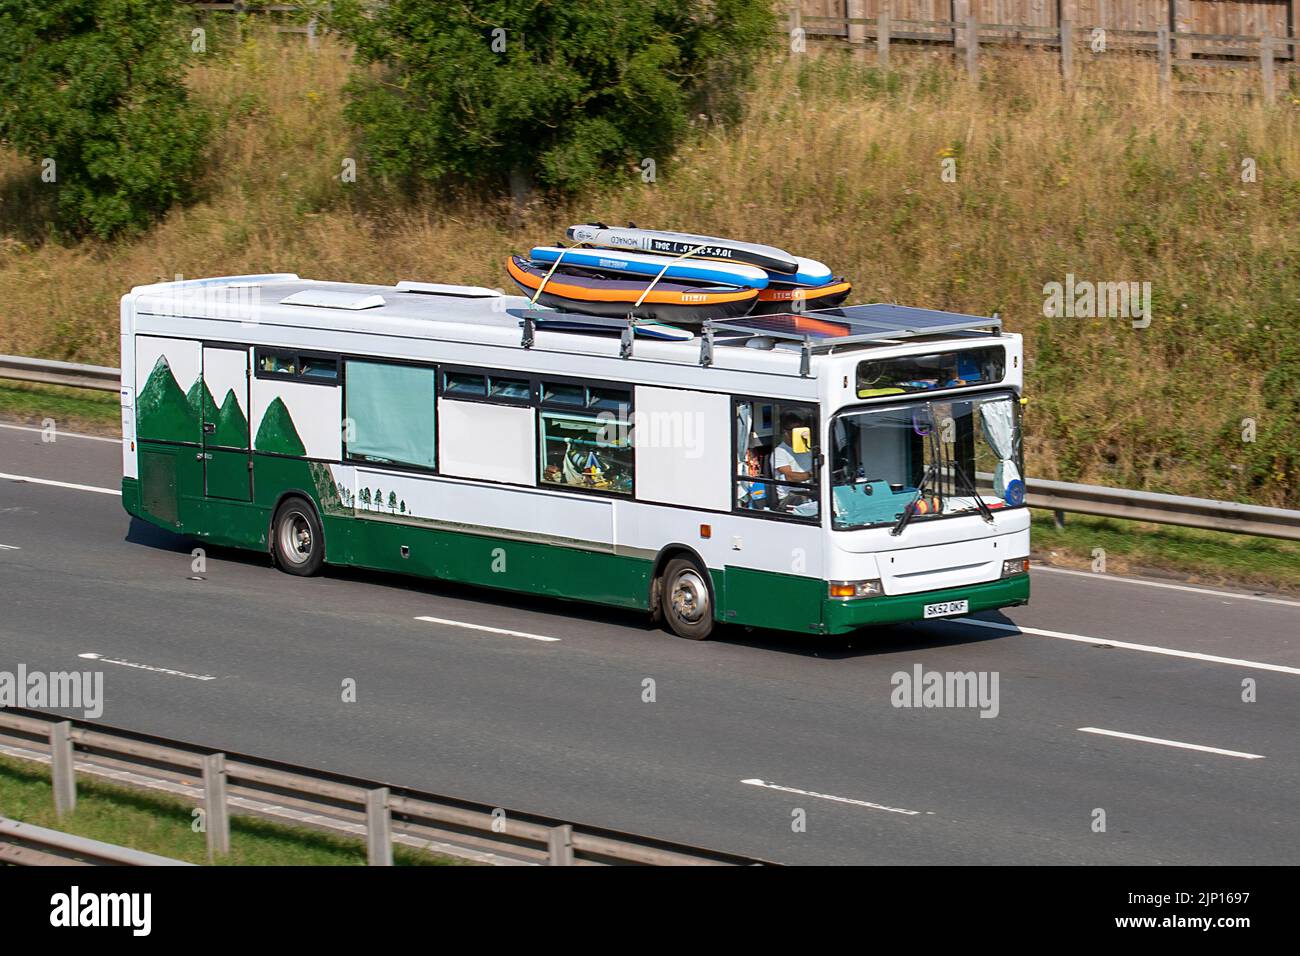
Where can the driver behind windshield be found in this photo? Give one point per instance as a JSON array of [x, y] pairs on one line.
[[791, 465]]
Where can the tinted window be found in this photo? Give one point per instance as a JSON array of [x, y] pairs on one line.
[[390, 413]]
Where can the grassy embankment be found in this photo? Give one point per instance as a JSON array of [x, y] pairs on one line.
[[163, 825], [843, 163]]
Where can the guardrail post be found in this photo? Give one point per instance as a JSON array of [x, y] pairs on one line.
[[559, 845], [1266, 67], [1162, 53], [1067, 51], [217, 823], [379, 828], [972, 48], [882, 36], [1058, 519], [62, 769], [312, 26]]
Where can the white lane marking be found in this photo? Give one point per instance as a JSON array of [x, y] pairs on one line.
[[1171, 743], [755, 782], [1119, 579], [1125, 645], [62, 484], [9, 547], [62, 434], [490, 630], [145, 667]]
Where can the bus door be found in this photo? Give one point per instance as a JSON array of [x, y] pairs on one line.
[[227, 455]]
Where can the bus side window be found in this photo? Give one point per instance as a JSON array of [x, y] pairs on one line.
[[775, 458]]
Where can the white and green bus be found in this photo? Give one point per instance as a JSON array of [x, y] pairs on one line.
[[817, 472]]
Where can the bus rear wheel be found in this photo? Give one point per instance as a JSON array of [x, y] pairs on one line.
[[685, 602], [297, 540]]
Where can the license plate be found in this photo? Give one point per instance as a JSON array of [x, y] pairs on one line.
[[946, 608]]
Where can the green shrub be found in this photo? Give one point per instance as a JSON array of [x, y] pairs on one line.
[[91, 90], [556, 92]]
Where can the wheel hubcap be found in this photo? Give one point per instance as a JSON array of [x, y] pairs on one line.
[[295, 538], [690, 597]]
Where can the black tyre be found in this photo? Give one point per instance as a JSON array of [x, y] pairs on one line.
[[297, 540], [685, 601]]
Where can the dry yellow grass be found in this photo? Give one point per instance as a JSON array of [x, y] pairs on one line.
[[838, 162]]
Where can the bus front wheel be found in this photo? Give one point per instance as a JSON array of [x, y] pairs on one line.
[[685, 601], [297, 541]]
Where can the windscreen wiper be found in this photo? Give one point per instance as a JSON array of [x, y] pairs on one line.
[[909, 509], [969, 486]]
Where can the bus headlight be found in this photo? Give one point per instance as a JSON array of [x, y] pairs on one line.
[[856, 589], [1015, 566]]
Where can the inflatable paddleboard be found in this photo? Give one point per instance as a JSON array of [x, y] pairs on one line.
[[810, 272], [642, 264], [676, 243], [792, 297], [579, 290]]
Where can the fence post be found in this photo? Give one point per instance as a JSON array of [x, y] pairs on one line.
[[62, 771], [379, 828], [312, 26], [972, 48], [1266, 67], [882, 36], [559, 845], [215, 808], [854, 10], [1162, 52], [1067, 51]]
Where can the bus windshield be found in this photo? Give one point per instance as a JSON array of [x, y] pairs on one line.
[[933, 457]]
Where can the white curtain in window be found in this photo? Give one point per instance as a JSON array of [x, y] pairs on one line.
[[999, 421]]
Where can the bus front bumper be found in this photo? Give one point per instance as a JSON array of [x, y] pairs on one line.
[[841, 617]]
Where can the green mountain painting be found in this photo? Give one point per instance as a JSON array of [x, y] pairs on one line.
[[162, 410], [276, 434], [232, 426]]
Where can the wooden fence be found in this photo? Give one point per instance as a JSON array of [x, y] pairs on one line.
[[1273, 56], [1219, 24]]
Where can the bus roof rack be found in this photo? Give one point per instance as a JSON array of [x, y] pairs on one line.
[[822, 330]]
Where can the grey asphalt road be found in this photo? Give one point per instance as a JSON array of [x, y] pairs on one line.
[[562, 728]]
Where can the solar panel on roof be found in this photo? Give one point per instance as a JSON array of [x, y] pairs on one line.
[[857, 323]]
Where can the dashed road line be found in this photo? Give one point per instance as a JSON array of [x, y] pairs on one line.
[[145, 667], [1171, 743], [755, 782], [490, 630]]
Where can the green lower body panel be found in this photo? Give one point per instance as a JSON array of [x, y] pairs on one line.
[[785, 602], [841, 617]]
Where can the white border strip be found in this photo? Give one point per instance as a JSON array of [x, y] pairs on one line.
[[490, 630], [1171, 743], [23, 479], [1127, 646], [1120, 579]]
